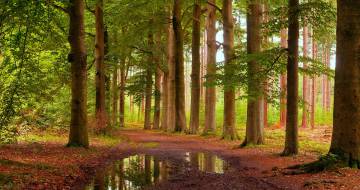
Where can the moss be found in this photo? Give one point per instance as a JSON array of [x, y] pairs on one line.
[[327, 162]]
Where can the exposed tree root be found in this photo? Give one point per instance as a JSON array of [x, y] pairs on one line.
[[327, 162], [230, 137], [288, 152]]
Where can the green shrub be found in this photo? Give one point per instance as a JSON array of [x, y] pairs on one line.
[[9, 134]]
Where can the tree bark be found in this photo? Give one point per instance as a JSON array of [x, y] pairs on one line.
[[148, 88], [180, 120], [171, 79], [195, 75], [313, 89], [165, 101], [283, 84], [210, 94], [229, 131], [114, 96], [100, 112], [157, 97], [122, 93], [291, 140], [346, 131], [254, 124], [265, 19], [328, 82], [78, 125], [305, 110]]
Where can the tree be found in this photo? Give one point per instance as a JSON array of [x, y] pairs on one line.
[[291, 139], [313, 88], [305, 80], [100, 108], [115, 89], [170, 106], [122, 92], [180, 120], [78, 126], [195, 75], [149, 84], [345, 140], [157, 97], [229, 131], [255, 102], [158, 77], [210, 96], [283, 39]]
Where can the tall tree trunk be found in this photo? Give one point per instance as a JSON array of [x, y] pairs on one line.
[[142, 104], [171, 109], [100, 107], [305, 110], [195, 75], [313, 88], [180, 121], [291, 141], [78, 125], [283, 84], [168, 101], [327, 81], [265, 19], [346, 131], [149, 83], [254, 123], [157, 97], [229, 131], [115, 88], [165, 101], [122, 93], [210, 96]]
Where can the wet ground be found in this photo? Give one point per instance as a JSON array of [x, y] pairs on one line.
[[142, 170], [175, 163], [152, 160]]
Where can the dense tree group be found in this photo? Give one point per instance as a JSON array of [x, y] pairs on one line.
[[180, 62]]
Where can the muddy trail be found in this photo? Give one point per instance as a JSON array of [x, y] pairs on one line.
[[151, 160]]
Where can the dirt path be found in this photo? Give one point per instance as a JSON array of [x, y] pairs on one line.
[[252, 168]]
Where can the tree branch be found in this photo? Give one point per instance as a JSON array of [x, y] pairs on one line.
[[88, 8], [214, 5], [58, 7]]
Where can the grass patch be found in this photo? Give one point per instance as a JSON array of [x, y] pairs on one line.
[[43, 137], [150, 145], [108, 140]]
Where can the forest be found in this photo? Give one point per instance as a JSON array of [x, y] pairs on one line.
[[179, 94]]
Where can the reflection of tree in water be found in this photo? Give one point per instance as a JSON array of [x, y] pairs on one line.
[[156, 170], [138, 171], [207, 162], [135, 173]]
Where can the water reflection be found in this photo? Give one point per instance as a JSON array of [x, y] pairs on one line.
[[136, 172], [207, 162]]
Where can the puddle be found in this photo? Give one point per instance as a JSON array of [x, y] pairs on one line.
[[207, 162], [139, 171]]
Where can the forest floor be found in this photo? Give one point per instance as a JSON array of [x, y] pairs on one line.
[[44, 163]]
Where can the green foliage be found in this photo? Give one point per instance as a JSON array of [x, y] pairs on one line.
[[320, 14], [8, 134], [28, 53]]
